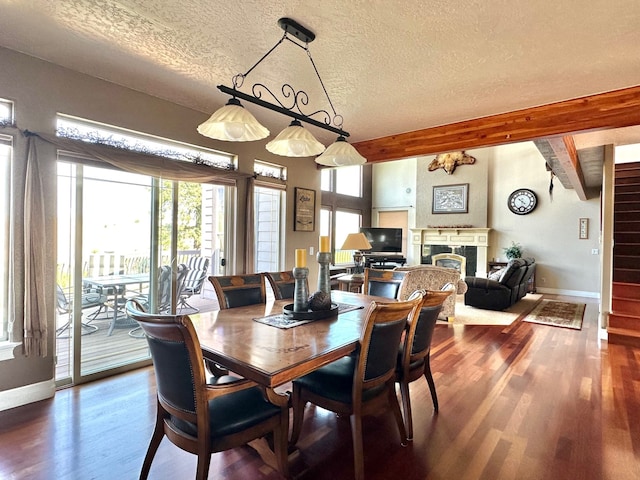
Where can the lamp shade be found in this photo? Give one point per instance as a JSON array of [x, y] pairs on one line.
[[356, 241], [340, 154], [295, 141], [233, 123]]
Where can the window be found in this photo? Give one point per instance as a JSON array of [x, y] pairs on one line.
[[271, 170], [267, 213], [345, 206], [346, 223], [348, 180], [80, 129], [6, 117]]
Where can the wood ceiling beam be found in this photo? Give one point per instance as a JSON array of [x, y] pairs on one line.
[[615, 109]]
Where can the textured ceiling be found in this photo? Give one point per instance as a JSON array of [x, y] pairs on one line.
[[389, 66]]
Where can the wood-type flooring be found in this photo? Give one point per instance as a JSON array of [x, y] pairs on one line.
[[521, 402]]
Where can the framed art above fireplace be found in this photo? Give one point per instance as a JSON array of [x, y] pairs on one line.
[[450, 198]]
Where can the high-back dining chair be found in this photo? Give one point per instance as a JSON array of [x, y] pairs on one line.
[[282, 284], [239, 290], [198, 417], [361, 383], [382, 283], [413, 355]]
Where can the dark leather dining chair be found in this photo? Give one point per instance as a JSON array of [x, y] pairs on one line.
[[239, 290], [282, 283], [362, 383], [382, 283], [413, 355], [198, 417]]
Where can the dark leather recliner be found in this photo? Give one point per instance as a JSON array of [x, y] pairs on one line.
[[499, 294]]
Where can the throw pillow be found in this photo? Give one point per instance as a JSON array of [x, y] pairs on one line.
[[495, 275]]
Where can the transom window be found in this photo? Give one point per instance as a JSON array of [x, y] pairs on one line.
[[93, 132]]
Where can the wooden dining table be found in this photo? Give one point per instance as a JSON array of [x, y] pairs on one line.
[[272, 356]]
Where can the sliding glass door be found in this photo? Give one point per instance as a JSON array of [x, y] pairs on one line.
[[120, 236]]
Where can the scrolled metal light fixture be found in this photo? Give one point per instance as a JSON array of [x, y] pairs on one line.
[[234, 123]]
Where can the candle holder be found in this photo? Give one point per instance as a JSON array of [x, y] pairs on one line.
[[324, 282], [300, 290]]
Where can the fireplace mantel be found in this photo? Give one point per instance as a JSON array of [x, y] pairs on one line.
[[453, 236], [450, 236]]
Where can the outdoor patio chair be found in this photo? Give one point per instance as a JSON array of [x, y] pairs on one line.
[[198, 268], [164, 293], [65, 307]]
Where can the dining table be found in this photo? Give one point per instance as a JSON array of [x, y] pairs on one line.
[[238, 339]]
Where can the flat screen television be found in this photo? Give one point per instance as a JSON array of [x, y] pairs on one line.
[[383, 240]]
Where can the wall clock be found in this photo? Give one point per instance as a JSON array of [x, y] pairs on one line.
[[522, 201]]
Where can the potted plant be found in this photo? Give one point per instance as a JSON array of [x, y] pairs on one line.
[[513, 251]]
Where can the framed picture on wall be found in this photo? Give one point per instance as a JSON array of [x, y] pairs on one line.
[[450, 198], [305, 210]]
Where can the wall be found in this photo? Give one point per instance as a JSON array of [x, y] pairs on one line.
[[549, 233], [475, 175], [40, 90]]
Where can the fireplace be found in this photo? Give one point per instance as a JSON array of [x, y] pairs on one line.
[[472, 243]]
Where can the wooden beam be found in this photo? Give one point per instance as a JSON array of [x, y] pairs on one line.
[[619, 108]]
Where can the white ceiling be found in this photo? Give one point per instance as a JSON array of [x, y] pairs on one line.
[[389, 66]]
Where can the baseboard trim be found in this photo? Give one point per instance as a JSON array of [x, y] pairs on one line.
[[27, 394], [571, 293]]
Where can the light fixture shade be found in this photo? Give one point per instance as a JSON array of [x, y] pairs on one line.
[[340, 154], [233, 123], [295, 141], [356, 241]]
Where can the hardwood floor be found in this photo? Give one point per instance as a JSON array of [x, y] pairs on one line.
[[520, 402]]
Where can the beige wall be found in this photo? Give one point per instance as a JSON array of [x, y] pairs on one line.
[[549, 233], [40, 90]]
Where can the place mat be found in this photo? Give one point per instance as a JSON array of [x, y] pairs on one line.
[[280, 320]]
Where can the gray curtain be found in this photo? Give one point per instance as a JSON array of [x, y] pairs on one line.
[[36, 314]]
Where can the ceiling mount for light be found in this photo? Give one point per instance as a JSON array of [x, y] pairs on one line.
[[233, 123]]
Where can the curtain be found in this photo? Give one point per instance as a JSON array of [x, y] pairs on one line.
[[144, 163], [36, 314], [249, 229]]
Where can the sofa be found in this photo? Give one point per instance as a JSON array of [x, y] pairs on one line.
[[431, 277], [500, 289]]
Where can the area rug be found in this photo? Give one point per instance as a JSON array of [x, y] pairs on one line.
[[466, 315], [558, 314]]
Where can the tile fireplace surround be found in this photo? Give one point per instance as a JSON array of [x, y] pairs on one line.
[[452, 236]]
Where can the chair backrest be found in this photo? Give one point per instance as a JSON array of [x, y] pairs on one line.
[[62, 303], [383, 283], [417, 341], [197, 274], [177, 360], [379, 342], [239, 290], [282, 283], [451, 260], [164, 287]]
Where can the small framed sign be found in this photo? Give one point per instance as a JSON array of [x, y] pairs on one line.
[[305, 210], [583, 232]]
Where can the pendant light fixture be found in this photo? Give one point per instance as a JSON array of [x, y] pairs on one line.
[[234, 123]]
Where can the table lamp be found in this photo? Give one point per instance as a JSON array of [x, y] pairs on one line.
[[357, 242]]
